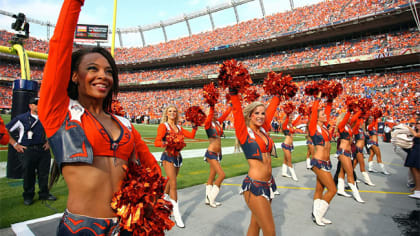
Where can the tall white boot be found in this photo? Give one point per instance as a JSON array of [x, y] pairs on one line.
[[284, 171], [316, 217], [356, 193], [370, 167], [340, 188], [292, 171], [212, 196], [308, 163], [208, 190], [177, 214], [323, 220], [319, 210], [366, 179], [383, 169]]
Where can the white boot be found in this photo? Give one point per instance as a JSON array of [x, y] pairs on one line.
[[177, 214], [320, 208], [212, 196], [316, 217], [308, 163], [370, 167], [324, 220], [383, 169], [284, 171], [356, 194], [367, 180], [208, 190], [340, 188], [292, 171]]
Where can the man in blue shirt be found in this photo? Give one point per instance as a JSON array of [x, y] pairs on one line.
[[33, 145]]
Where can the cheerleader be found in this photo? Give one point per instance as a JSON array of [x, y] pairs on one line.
[[321, 164], [171, 158], [344, 155], [213, 155], [287, 146], [359, 139], [259, 186], [373, 146]]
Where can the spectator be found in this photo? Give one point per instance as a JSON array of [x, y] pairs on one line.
[[413, 159]]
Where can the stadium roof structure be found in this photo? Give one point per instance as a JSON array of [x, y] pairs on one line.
[[163, 24]]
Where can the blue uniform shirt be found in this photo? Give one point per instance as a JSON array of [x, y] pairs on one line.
[[27, 124]]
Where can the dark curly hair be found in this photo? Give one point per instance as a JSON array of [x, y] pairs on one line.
[[77, 57]]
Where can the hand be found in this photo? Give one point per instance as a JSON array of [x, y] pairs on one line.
[[46, 146], [19, 148]]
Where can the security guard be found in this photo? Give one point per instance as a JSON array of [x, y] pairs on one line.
[[33, 145]]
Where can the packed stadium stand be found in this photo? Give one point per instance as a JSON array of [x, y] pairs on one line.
[[371, 46]]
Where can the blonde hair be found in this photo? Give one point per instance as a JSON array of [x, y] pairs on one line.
[[247, 115], [165, 114], [249, 109]]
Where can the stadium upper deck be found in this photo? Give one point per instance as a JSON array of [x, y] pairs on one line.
[[322, 38]]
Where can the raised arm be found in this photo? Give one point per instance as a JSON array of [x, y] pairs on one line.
[[343, 123], [225, 115], [372, 125], [355, 117], [270, 112], [241, 130], [314, 118], [53, 103], [328, 111], [207, 123], [356, 126], [294, 123], [286, 121]]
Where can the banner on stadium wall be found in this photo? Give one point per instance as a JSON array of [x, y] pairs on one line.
[[91, 33], [404, 51]]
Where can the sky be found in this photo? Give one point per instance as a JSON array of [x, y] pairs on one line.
[[134, 13]]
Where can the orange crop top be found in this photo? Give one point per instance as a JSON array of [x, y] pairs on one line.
[[163, 130], [319, 135], [288, 131], [253, 145], [213, 129]]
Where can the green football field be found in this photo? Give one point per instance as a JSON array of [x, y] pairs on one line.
[[194, 171]]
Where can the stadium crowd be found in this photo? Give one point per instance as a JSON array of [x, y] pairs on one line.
[[377, 45], [300, 19], [288, 22], [404, 88]]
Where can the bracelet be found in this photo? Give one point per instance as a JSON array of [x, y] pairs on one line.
[[14, 145]]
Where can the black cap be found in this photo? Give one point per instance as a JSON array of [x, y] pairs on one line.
[[33, 101]]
